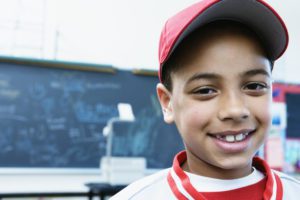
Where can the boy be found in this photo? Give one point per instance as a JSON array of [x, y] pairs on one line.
[[216, 59]]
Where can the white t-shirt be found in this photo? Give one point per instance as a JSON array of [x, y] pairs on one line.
[[157, 186]]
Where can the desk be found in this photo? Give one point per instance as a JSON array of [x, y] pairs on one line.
[[46, 194], [103, 190], [100, 190]]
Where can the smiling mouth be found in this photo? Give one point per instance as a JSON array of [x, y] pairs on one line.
[[232, 138]]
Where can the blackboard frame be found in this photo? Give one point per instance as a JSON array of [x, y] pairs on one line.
[[106, 69]]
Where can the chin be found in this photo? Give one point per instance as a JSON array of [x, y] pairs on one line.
[[235, 163]]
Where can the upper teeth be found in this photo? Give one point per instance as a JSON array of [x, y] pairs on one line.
[[233, 138]]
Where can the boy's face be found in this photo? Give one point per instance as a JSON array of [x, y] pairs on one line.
[[220, 103]]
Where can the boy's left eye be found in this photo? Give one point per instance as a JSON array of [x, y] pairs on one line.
[[256, 86]]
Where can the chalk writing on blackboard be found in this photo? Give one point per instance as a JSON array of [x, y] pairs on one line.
[[53, 118]]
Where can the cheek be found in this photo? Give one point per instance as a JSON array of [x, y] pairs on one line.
[[192, 117], [262, 111]]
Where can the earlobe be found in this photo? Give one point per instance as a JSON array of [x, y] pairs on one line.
[[164, 97]]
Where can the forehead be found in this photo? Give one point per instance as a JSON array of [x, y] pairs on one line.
[[220, 49], [215, 33], [204, 33]]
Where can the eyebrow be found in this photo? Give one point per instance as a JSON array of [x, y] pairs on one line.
[[198, 76], [214, 76], [255, 72]]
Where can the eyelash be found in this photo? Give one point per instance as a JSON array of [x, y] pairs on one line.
[[205, 91], [262, 86], [251, 87]]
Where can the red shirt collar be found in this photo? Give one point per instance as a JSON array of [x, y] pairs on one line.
[[273, 189]]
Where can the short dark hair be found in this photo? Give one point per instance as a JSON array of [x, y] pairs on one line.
[[173, 63]]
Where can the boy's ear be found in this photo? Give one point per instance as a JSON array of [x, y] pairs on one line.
[[164, 97]]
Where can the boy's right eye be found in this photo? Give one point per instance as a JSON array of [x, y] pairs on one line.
[[205, 91]]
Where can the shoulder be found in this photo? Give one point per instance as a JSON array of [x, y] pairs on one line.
[[291, 186], [287, 179], [145, 188]]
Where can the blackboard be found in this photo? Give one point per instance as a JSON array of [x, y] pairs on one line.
[[293, 115], [52, 116]]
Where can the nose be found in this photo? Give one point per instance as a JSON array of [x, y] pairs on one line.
[[233, 107]]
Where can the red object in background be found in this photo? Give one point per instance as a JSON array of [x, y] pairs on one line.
[[279, 93], [298, 166], [280, 89]]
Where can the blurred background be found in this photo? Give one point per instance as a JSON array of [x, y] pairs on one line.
[[65, 65], [120, 33]]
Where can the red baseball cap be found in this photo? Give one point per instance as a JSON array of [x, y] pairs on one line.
[[256, 14]]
